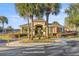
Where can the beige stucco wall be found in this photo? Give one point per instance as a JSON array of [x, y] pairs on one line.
[[39, 23]]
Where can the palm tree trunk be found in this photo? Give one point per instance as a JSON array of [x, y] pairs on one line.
[[76, 28], [47, 30], [28, 29], [32, 28], [3, 27]]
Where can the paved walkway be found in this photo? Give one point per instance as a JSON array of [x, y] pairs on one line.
[[17, 43]]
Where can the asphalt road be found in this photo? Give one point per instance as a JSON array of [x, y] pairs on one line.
[[43, 51]]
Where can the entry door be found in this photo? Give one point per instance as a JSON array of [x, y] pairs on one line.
[[38, 30]]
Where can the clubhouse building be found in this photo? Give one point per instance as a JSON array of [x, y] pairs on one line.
[[39, 27]]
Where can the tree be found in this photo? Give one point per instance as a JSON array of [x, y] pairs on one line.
[[73, 14], [51, 8], [3, 20], [23, 10], [28, 10], [9, 29], [35, 9]]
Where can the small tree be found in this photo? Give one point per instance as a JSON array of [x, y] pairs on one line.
[[3, 20], [9, 29]]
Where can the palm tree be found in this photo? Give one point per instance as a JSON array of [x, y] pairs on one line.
[[30, 10], [3, 20], [23, 10], [73, 14], [51, 8], [39, 10]]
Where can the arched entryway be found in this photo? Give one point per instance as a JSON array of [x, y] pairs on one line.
[[38, 29]]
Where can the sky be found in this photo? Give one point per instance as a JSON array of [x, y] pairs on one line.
[[14, 20]]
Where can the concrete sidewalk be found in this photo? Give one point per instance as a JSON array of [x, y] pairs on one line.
[[17, 43]]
